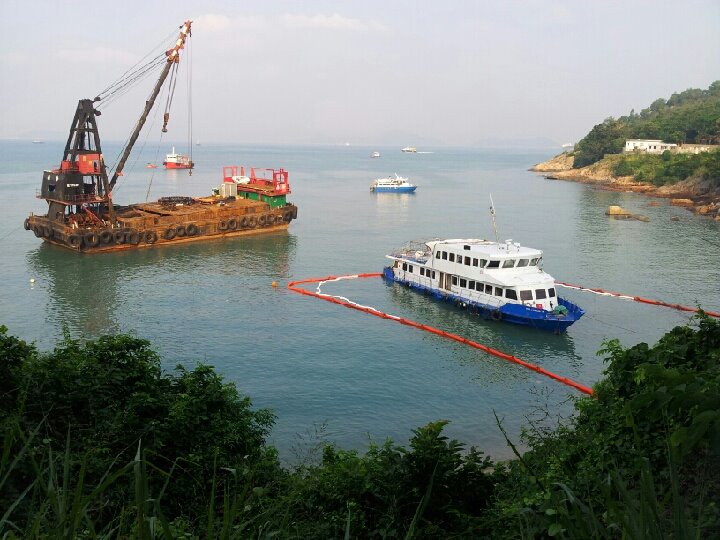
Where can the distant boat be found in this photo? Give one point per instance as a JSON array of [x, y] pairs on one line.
[[38, 141], [197, 143], [410, 150], [375, 154], [392, 185], [151, 166], [177, 161]]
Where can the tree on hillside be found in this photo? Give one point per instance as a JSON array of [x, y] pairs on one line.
[[691, 116]]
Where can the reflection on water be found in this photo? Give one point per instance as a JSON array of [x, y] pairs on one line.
[[86, 292], [395, 206]]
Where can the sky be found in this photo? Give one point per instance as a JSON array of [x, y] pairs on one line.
[[424, 73]]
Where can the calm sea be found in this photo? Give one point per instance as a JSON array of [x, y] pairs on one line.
[[336, 374]]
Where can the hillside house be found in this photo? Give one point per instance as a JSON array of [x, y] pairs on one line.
[[649, 146]]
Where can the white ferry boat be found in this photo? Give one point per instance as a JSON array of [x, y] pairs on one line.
[[501, 281], [410, 150], [392, 185]]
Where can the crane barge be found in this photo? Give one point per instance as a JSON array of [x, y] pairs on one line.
[[81, 214]]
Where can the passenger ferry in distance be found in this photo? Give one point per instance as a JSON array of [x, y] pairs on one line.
[[392, 185], [501, 281]]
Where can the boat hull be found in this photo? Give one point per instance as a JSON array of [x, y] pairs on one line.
[[512, 313], [152, 225], [171, 165], [403, 189]]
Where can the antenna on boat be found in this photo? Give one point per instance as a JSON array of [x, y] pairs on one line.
[[492, 213]]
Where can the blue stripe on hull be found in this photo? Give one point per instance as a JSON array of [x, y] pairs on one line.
[[395, 190], [513, 313]]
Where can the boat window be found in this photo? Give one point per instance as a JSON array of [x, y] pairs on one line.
[[533, 262], [437, 254], [454, 280], [540, 294], [405, 266], [467, 261], [471, 285], [452, 257], [444, 255], [488, 289], [522, 262], [493, 264], [466, 248], [475, 262], [498, 291], [433, 274], [551, 292], [463, 283], [511, 294], [483, 262], [410, 268], [525, 295], [422, 271], [510, 263]]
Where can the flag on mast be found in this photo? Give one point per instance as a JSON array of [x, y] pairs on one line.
[[492, 213]]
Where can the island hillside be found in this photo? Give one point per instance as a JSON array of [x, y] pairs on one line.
[[670, 149]]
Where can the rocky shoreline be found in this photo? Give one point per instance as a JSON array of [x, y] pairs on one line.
[[694, 194]]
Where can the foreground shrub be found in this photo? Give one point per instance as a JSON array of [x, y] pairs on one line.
[[649, 440], [93, 405]]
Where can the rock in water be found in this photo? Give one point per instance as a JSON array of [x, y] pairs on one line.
[[616, 211], [681, 202]]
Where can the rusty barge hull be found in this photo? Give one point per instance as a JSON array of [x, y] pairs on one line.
[[155, 224]]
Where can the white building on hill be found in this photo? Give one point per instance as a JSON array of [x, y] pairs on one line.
[[650, 146]]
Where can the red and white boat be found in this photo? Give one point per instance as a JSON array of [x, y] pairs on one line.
[[177, 161]]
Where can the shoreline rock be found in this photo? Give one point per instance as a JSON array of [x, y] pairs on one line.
[[618, 212], [697, 195]]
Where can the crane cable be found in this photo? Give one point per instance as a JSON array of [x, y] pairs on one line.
[[136, 72], [189, 94]]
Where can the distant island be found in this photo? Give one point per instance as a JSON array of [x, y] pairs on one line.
[[670, 149]]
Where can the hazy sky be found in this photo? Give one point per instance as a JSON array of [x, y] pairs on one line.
[[367, 72]]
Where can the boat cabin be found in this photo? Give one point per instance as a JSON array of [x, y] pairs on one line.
[[481, 271]]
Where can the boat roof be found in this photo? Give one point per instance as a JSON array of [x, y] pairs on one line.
[[488, 248]]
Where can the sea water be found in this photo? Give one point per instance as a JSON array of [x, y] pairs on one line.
[[335, 374]]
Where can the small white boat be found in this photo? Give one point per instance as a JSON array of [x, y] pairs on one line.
[[410, 150], [398, 184], [375, 154]]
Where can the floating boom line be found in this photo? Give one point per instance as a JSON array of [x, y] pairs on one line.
[[342, 301], [603, 292]]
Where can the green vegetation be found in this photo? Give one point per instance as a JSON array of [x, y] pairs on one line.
[[98, 443], [669, 168], [692, 116]]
